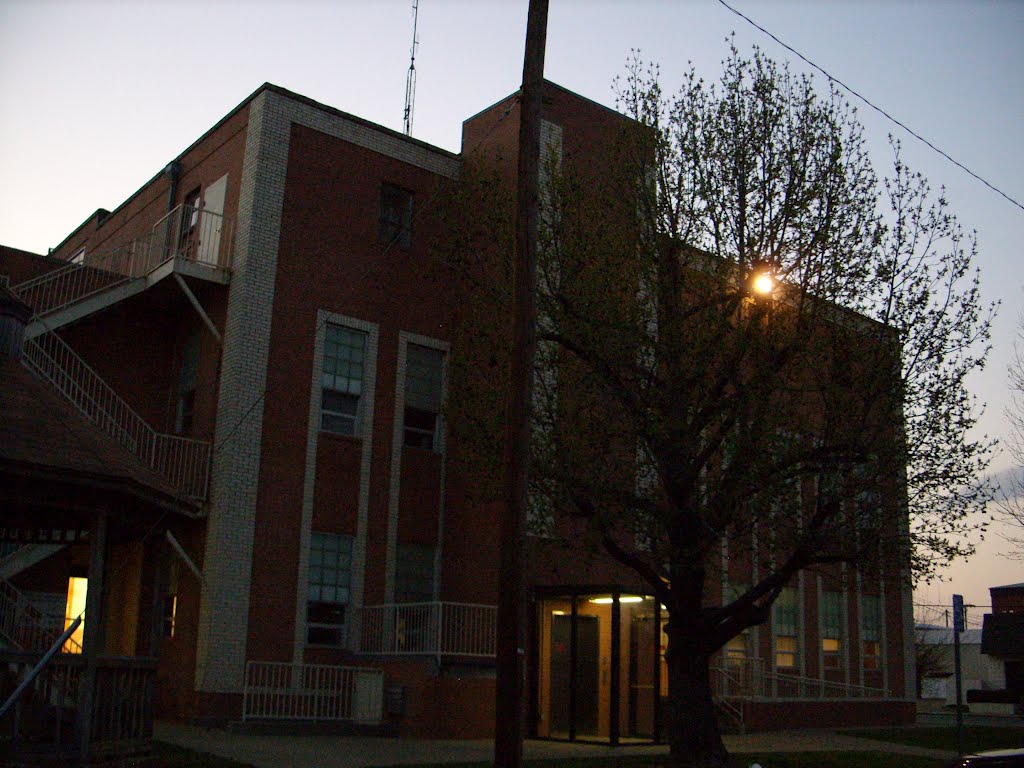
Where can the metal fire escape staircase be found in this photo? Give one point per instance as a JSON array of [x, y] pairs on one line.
[[187, 242]]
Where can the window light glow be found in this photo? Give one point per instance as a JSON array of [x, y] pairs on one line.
[[77, 590]]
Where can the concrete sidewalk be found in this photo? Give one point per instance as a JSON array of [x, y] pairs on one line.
[[280, 751]]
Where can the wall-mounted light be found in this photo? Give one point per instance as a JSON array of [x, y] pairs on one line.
[[623, 599]]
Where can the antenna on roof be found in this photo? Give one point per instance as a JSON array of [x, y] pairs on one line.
[[410, 79]]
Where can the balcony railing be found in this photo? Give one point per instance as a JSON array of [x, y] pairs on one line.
[[183, 461], [186, 233], [429, 629], [45, 716], [317, 692]]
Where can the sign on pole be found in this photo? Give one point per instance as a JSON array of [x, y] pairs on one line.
[[958, 627], [958, 613]]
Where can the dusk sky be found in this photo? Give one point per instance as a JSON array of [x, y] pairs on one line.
[[97, 97]]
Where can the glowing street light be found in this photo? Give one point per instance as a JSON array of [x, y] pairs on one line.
[[761, 281]]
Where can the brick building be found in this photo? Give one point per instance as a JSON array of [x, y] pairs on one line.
[[259, 315]]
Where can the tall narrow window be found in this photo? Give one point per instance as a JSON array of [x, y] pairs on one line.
[[785, 626], [395, 225], [737, 650], [188, 378], [871, 630], [330, 576], [831, 629], [342, 379], [424, 389]]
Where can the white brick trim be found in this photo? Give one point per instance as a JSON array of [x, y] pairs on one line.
[[223, 629], [365, 422], [224, 609]]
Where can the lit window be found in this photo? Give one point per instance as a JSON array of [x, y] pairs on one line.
[[342, 379], [785, 651], [424, 386], [395, 224], [330, 575], [78, 588], [737, 650], [831, 629], [785, 626]]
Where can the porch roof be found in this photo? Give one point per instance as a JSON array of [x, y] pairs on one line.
[[43, 437]]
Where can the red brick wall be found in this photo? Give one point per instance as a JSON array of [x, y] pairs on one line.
[[329, 259], [219, 152]]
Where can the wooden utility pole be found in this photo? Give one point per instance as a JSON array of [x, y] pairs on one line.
[[511, 651]]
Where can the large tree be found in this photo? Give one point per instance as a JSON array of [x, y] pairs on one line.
[[702, 432]]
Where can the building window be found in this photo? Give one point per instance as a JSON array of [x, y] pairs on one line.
[[424, 387], [342, 379], [188, 378], [395, 224], [831, 629], [737, 650], [785, 626], [330, 575], [871, 630], [78, 257], [414, 574]]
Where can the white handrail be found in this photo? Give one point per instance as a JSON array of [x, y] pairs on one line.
[[184, 461], [429, 629]]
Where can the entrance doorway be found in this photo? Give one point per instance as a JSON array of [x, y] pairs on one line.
[[598, 671]]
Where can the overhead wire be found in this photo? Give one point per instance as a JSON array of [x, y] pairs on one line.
[[872, 105]]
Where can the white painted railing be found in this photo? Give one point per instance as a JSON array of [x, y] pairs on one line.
[[429, 629], [183, 461], [187, 233], [318, 692]]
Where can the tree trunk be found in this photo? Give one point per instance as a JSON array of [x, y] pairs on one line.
[[693, 735]]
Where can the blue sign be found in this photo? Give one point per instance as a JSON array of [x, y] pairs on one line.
[[958, 613]]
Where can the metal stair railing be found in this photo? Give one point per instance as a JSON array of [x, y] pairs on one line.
[[184, 461], [23, 626], [187, 233]]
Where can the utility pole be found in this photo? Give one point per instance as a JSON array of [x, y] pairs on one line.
[[510, 701]]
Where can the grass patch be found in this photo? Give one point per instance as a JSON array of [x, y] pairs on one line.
[[977, 738], [171, 756], [771, 760]]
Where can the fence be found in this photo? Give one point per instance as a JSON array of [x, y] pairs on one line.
[[46, 715], [317, 692], [435, 629]]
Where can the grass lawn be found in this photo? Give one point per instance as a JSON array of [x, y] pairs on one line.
[[788, 760], [977, 738]]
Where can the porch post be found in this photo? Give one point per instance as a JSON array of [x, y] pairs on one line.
[[93, 636]]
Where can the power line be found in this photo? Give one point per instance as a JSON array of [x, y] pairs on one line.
[[867, 101]]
